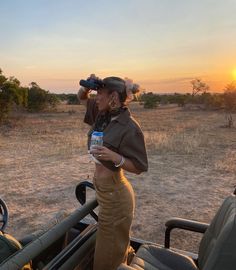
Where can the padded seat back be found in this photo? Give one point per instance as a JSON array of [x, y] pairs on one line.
[[217, 249]]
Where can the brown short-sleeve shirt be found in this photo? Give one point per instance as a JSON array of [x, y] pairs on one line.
[[91, 112], [124, 136]]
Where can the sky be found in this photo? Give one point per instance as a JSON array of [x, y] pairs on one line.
[[161, 44]]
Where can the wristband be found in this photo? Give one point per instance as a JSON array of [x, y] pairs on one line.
[[122, 161]]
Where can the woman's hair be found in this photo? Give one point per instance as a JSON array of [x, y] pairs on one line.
[[125, 88]]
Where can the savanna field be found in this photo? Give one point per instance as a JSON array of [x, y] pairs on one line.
[[192, 167]]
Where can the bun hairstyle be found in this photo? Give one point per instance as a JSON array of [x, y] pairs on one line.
[[125, 88], [132, 89]]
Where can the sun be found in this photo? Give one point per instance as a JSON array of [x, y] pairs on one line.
[[234, 74]]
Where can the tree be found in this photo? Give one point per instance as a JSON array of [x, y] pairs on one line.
[[34, 85], [14, 80], [2, 79], [53, 100], [40, 99], [11, 93], [198, 86], [150, 100], [72, 99], [5, 105], [230, 102], [37, 98]]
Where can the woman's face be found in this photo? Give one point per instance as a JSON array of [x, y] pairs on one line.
[[103, 99]]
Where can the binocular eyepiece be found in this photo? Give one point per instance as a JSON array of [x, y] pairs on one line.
[[92, 83]]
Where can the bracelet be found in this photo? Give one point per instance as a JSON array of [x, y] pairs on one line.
[[122, 161]]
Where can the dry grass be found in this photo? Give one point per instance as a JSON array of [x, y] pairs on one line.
[[192, 167]]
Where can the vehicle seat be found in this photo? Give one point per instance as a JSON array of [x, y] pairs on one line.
[[217, 249]]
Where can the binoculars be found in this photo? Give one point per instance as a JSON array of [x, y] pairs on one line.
[[92, 83]]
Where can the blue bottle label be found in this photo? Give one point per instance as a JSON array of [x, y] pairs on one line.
[[96, 139]]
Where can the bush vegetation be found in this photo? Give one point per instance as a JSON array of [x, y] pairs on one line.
[[36, 99], [31, 98], [199, 96]]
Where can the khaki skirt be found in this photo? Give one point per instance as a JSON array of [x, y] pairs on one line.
[[115, 197]]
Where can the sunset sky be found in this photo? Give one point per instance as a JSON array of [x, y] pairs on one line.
[[160, 44]]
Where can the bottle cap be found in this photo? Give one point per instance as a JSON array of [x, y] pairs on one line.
[[97, 133]]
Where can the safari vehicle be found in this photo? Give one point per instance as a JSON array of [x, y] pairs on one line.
[[70, 243]]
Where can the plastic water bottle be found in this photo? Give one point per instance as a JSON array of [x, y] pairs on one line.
[[96, 139]]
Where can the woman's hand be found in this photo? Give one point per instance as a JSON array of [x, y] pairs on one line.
[[103, 153]]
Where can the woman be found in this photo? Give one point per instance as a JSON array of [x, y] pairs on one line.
[[123, 149]]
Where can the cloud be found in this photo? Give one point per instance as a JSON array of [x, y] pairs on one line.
[[175, 80]]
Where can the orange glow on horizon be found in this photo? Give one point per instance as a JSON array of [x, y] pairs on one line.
[[163, 80], [234, 74]]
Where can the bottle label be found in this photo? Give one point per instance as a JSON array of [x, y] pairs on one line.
[[96, 139]]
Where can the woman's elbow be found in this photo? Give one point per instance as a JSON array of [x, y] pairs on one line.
[[141, 169], [138, 172]]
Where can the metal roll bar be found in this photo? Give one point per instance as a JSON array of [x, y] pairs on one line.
[[33, 249]]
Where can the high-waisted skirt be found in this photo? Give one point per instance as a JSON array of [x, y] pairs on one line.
[[115, 197]]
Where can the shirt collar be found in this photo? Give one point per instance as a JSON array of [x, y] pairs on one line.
[[123, 117]]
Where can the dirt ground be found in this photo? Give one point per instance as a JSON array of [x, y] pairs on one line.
[[191, 168]]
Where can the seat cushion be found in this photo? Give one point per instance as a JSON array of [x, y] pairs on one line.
[[218, 245], [152, 257]]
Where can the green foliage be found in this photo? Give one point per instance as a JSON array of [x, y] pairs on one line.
[[72, 99], [180, 99], [37, 98], [53, 100], [230, 97], [230, 103], [11, 93], [23, 91], [61, 97], [149, 100], [40, 99], [2, 80], [210, 101], [5, 105], [33, 98]]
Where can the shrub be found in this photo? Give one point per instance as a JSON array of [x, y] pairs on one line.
[[72, 99], [5, 105], [37, 99], [230, 102], [11, 93], [149, 100], [40, 99]]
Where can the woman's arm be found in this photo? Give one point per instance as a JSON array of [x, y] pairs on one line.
[[129, 166], [83, 95], [103, 153]]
